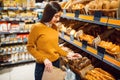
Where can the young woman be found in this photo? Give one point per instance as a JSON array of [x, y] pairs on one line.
[[43, 40]]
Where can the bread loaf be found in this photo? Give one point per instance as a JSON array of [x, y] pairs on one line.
[[114, 4], [106, 4], [98, 74]]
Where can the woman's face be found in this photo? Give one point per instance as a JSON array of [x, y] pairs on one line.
[[56, 18]]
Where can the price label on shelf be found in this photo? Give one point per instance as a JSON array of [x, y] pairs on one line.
[[97, 15], [71, 37], [62, 34], [100, 51], [64, 11], [96, 41], [78, 34], [114, 22], [84, 43], [77, 12]]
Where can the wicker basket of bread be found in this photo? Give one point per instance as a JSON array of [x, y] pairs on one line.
[[107, 7]]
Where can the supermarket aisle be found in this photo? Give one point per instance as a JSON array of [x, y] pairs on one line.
[[21, 72]]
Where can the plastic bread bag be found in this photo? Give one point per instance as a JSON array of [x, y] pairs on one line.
[[70, 75]]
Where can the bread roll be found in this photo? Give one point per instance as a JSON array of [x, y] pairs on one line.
[[114, 4], [106, 4]]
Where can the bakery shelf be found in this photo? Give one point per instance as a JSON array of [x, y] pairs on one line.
[[90, 19], [68, 17], [92, 51], [78, 44], [85, 18], [114, 23], [115, 26], [93, 21], [108, 59]]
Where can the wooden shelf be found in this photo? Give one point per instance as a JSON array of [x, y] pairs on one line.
[[90, 19], [92, 51], [112, 60]]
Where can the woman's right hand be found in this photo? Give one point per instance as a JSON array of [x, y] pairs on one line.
[[48, 65], [72, 55]]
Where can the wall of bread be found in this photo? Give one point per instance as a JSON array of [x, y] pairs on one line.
[[85, 65], [110, 38], [88, 31], [108, 7]]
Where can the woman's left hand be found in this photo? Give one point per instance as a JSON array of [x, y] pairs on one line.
[[48, 65]]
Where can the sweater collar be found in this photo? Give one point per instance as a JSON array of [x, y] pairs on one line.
[[48, 24]]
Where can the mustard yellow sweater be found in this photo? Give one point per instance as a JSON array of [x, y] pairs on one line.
[[43, 43]]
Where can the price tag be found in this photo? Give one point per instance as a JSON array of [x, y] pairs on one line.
[[84, 43], [64, 11], [63, 30], [96, 41], [77, 12], [97, 15], [72, 37], [62, 34], [101, 51], [78, 33]]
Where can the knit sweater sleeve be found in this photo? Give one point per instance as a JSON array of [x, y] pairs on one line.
[[31, 47], [61, 52]]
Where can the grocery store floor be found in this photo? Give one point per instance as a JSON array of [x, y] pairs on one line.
[[20, 72]]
